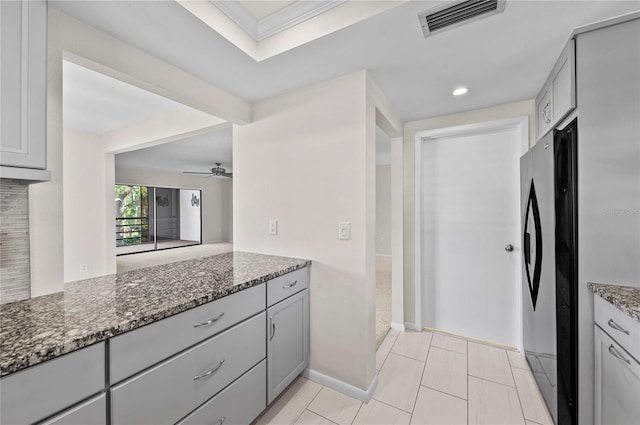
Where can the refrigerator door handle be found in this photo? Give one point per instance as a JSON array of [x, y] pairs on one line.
[[527, 248], [533, 281]]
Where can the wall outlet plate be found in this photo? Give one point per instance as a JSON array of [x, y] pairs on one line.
[[273, 227], [344, 230]]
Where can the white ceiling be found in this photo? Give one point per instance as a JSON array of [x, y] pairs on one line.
[[503, 58], [197, 153], [99, 104]]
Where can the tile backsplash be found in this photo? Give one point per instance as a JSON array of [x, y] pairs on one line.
[[14, 240]]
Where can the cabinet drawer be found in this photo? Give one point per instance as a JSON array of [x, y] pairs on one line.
[[39, 391], [286, 285], [170, 390], [622, 328], [92, 412], [238, 404], [136, 350]]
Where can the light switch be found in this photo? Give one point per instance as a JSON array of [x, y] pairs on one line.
[[273, 227], [344, 230]]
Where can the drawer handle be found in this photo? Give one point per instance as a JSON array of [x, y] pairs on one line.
[[291, 285], [273, 328], [617, 327], [210, 321], [615, 353], [210, 371]]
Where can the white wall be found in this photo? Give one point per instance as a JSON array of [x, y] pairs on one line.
[[513, 110], [303, 162], [215, 203], [383, 210], [87, 207], [189, 215], [77, 41]]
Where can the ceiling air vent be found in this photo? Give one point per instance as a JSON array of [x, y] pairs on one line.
[[451, 15]]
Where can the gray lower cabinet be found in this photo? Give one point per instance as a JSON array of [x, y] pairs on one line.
[[134, 351], [617, 383], [288, 342], [167, 392], [40, 391], [91, 412], [238, 404]]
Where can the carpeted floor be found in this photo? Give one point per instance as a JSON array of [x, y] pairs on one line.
[[154, 258], [383, 297]]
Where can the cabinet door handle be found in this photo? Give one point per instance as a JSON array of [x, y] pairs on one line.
[[210, 371], [273, 328], [617, 327], [210, 321], [615, 353], [290, 285], [220, 421]]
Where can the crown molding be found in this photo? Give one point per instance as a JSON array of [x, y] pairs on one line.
[[277, 22]]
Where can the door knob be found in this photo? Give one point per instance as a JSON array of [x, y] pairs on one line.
[[508, 247]]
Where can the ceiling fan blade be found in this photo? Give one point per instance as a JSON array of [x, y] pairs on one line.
[[230, 175], [195, 172]]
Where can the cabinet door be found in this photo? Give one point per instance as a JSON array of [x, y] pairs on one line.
[[544, 110], [563, 83], [617, 383], [288, 342], [23, 56]]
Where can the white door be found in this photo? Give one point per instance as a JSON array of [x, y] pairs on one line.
[[470, 211]]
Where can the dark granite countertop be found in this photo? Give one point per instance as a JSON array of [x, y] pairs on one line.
[[93, 310], [625, 298]]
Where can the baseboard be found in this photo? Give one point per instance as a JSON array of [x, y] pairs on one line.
[[398, 326], [470, 338], [341, 386], [411, 327]]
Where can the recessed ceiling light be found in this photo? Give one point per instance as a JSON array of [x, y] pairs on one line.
[[460, 91]]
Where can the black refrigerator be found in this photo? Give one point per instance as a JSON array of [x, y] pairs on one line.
[[549, 240]]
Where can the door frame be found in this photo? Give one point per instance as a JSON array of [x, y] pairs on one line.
[[519, 123]]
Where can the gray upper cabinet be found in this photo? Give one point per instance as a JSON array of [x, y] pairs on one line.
[[23, 59], [287, 342], [558, 95]]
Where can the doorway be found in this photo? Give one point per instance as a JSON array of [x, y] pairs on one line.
[[383, 235], [467, 189]]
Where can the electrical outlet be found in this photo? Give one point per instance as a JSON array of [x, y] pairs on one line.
[[273, 227], [344, 230], [83, 268]]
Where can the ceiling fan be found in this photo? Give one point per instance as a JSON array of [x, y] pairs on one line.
[[215, 171]]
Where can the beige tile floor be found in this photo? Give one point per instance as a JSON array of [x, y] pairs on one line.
[[424, 378]]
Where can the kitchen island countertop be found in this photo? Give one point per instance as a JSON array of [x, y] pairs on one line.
[[92, 310], [625, 298]]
